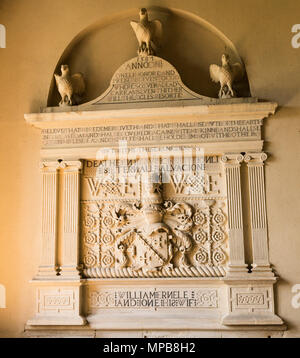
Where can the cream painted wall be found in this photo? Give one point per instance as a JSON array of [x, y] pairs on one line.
[[37, 34]]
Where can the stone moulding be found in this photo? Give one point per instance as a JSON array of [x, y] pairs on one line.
[[177, 272], [55, 125], [244, 109]]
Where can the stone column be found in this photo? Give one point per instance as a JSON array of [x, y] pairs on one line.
[[70, 231], [237, 266], [48, 264], [255, 163]]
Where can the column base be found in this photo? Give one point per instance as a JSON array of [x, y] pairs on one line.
[[46, 272], [57, 321], [58, 302], [237, 271], [262, 270], [251, 301], [70, 272], [234, 319]]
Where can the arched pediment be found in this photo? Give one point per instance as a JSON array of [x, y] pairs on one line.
[[189, 43]]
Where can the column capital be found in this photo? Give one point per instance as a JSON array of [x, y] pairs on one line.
[[49, 166], [255, 158], [232, 159], [70, 166]]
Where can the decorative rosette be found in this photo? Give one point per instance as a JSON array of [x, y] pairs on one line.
[[219, 218], [107, 238], [107, 259], [218, 236], [108, 221], [201, 256], [90, 260], [219, 257], [200, 236], [90, 238], [199, 218], [90, 221]]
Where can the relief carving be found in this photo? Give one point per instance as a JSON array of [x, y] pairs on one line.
[[148, 33], [226, 75], [154, 236], [70, 88]]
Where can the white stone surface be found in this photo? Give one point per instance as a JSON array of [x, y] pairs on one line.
[[134, 256]]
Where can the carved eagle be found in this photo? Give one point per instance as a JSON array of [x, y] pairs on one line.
[[70, 88], [148, 33], [226, 74]]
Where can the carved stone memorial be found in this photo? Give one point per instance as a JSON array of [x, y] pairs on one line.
[[142, 208]]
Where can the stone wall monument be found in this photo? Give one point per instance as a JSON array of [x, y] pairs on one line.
[[143, 216]]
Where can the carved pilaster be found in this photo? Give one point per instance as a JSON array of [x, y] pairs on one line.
[[70, 236], [255, 163], [237, 264], [48, 262]]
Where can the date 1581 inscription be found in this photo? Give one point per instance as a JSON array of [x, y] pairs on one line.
[[146, 79]]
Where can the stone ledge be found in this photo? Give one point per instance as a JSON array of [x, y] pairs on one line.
[[222, 112]]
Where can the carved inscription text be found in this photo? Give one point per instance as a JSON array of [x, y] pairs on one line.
[[154, 298]]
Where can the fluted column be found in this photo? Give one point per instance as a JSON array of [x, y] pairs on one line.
[[260, 252], [237, 266], [70, 171], [48, 262]]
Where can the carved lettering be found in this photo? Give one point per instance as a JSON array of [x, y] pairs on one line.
[[156, 298], [199, 132]]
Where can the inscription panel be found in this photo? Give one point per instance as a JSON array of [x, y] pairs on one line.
[[56, 300], [150, 134], [155, 298], [146, 79], [250, 299]]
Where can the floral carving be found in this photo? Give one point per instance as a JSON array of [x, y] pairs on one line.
[[107, 238], [108, 221], [90, 221], [219, 218], [153, 235], [219, 256], [102, 299], [199, 218], [107, 259], [209, 234], [218, 235], [90, 260], [90, 238], [200, 236], [201, 256]]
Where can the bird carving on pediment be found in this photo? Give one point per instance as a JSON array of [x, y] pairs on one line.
[[148, 33], [226, 74], [70, 87]]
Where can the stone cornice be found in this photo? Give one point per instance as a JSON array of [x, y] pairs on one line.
[[226, 110]]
